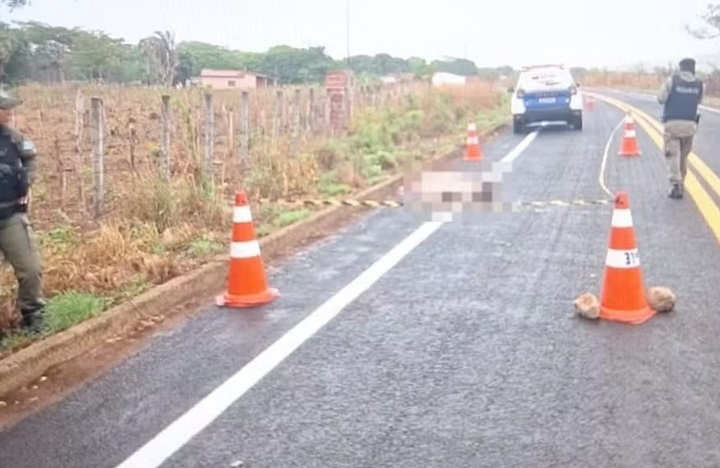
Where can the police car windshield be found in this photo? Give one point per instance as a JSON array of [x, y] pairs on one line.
[[544, 77]]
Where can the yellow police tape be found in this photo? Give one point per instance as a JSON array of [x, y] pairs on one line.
[[337, 202], [399, 204]]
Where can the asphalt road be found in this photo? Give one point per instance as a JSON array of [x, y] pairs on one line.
[[706, 143], [466, 353]]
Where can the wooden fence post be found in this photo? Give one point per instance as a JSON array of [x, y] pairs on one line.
[[244, 125], [98, 146], [209, 137], [165, 158]]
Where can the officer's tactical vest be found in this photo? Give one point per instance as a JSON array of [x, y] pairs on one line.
[[12, 174], [683, 99]]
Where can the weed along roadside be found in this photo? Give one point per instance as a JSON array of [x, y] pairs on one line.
[[163, 244]]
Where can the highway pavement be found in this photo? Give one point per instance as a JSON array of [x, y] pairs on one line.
[[707, 142], [402, 342]]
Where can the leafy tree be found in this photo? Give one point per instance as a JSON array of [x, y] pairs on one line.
[[97, 56], [456, 66], [160, 56], [13, 4], [290, 65], [420, 68], [193, 56], [52, 50], [387, 64], [33, 51], [711, 17]]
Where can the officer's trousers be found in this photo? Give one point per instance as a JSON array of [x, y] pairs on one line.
[[19, 246], [678, 136]]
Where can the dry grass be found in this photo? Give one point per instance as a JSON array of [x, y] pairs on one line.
[[152, 230], [624, 80], [647, 81], [650, 83]]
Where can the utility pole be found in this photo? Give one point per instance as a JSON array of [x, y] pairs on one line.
[[347, 32]]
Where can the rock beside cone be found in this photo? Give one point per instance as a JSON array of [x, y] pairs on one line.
[[587, 306], [661, 299]]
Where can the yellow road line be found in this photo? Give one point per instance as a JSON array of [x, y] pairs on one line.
[[694, 160], [707, 206]]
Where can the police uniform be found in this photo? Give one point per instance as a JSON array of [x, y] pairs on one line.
[[680, 95], [17, 238]]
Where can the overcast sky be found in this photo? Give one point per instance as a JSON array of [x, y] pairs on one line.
[[490, 32]]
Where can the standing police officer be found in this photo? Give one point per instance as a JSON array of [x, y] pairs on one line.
[[17, 238], [680, 95]]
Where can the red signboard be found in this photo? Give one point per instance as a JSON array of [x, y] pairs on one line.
[[338, 79]]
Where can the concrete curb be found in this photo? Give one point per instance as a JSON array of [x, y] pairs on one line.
[[26, 365]]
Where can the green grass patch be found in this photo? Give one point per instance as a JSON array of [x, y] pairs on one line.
[[275, 217], [62, 311], [289, 217], [72, 307], [138, 285], [14, 340], [330, 187], [204, 246]]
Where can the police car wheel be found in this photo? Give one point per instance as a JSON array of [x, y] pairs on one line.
[[518, 127], [577, 123]]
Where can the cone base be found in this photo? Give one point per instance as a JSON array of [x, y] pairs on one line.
[[629, 153], [473, 156], [634, 317], [247, 301]]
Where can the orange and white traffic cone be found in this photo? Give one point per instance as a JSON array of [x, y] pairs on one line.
[[247, 283], [589, 102], [629, 144], [623, 293], [473, 152], [629, 122]]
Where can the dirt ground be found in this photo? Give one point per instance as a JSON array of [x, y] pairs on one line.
[[59, 381]]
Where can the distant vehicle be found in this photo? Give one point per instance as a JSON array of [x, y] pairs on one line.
[[545, 93]]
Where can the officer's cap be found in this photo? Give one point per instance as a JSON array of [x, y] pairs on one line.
[[687, 64], [7, 102]]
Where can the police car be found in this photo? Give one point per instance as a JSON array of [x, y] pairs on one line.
[[545, 93]]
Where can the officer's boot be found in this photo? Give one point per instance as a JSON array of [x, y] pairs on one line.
[[32, 320], [676, 192]]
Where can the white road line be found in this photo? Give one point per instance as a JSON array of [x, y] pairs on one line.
[[177, 434], [522, 146], [601, 176], [714, 110], [505, 164], [171, 439]]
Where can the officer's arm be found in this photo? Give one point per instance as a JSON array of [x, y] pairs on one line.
[[664, 91], [702, 92], [28, 154]]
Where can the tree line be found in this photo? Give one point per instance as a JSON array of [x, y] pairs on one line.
[[33, 51], [37, 52]]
